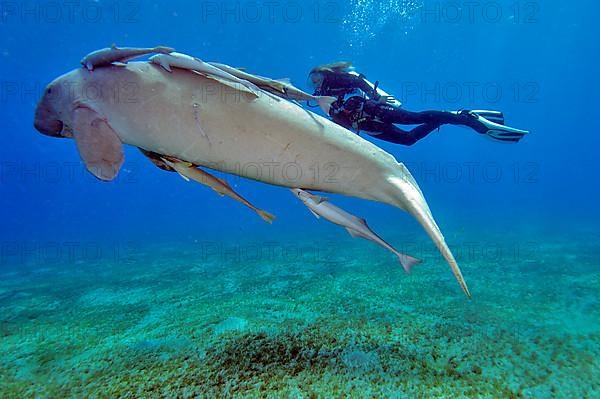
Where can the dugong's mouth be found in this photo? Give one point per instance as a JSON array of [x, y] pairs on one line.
[[49, 127], [46, 120]]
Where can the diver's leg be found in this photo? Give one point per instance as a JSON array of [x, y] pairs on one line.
[[394, 134], [490, 123], [391, 114]]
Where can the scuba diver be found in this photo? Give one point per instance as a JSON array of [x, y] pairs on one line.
[[363, 106]]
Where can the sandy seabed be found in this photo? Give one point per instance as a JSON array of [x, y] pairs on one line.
[[174, 323]]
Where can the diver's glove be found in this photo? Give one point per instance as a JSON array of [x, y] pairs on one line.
[[386, 100]]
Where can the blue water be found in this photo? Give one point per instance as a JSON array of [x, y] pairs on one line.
[[535, 61]]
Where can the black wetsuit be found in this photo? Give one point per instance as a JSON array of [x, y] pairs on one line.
[[369, 115]]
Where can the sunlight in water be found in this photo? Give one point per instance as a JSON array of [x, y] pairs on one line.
[[367, 18]]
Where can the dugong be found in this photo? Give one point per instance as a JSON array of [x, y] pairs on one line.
[[192, 118]]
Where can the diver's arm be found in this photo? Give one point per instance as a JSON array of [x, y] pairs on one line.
[[360, 82], [374, 92], [393, 134], [340, 84]]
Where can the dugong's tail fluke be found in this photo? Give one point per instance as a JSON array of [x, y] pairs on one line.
[[405, 194], [431, 228]]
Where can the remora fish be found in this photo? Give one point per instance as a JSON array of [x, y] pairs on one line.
[[184, 61], [189, 172], [357, 227], [107, 56], [280, 88]]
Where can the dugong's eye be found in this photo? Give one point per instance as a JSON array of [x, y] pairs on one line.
[[49, 91]]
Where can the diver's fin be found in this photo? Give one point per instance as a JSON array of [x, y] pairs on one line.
[[505, 136], [493, 116], [500, 132], [99, 146]]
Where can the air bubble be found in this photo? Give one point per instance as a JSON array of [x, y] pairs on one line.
[[368, 18]]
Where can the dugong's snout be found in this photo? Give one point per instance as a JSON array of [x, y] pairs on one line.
[[47, 119]]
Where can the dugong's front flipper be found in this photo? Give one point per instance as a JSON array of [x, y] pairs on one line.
[[188, 171], [99, 146]]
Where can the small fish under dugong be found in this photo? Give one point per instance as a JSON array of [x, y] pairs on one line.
[[107, 56], [189, 172], [357, 227]]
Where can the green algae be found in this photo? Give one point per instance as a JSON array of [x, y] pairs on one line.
[[301, 330]]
